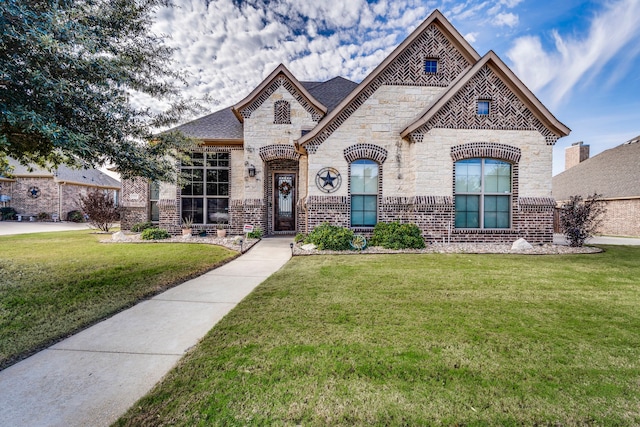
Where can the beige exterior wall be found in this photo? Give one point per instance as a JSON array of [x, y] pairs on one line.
[[434, 166], [378, 121], [260, 131], [622, 218]]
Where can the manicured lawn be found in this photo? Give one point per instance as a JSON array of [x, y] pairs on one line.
[[419, 340], [52, 284]]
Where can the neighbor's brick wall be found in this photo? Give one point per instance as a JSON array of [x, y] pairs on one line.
[[622, 218], [46, 202]]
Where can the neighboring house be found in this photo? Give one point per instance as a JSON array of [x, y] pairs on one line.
[[436, 135], [614, 174], [40, 191]]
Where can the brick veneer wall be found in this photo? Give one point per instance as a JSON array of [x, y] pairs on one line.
[[134, 202], [622, 218]]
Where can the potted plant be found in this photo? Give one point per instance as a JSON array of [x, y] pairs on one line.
[[222, 232], [187, 226]]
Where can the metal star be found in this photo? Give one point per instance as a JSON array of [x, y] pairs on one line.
[[328, 180]]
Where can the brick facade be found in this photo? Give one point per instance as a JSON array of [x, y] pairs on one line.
[[621, 218]]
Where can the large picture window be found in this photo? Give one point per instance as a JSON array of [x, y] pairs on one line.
[[483, 193], [205, 195], [364, 193]]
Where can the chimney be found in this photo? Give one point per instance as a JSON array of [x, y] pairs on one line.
[[575, 154]]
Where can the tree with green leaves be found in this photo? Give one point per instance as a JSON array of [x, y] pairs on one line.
[[67, 71]]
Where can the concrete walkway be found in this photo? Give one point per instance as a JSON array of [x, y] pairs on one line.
[[559, 239], [24, 227], [92, 378]]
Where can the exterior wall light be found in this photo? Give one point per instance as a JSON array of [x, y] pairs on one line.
[[252, 171]]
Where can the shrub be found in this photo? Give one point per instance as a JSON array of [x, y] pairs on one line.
[[100, 207], [139, 227], [255, 234], [75, 216], [300, 237], [393, 235], [579, 219], [8, 213], [330, 237], [43, 216], [154, 234]]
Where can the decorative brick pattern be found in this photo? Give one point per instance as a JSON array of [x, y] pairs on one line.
[[406, 69], [492, 150], [278, 152], [365, 151], [281, 112], [507, 112], [277, 82]]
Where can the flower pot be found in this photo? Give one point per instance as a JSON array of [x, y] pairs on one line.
[[222, 232], [186, 232]]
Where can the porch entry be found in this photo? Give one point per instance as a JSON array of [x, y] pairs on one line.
[[284, 196]]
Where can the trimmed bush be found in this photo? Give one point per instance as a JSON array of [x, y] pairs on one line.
[[8, 213], [139, 227], [255, 234], [154, 234], [393, 235], [75, 216], [300, 237], [331, 237]]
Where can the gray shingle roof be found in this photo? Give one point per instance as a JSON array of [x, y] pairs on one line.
[[224, 124], [332, 92], [91, 177], [614, 173]]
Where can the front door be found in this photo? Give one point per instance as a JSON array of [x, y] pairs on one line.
[[284, 202]]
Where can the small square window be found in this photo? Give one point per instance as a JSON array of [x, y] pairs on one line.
[[431, 66], [483, 108]]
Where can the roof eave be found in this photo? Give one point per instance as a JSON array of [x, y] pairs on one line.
[[436, 17], [513, 82], [280, 69]]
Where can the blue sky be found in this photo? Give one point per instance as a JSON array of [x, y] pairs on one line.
[[580, 58]]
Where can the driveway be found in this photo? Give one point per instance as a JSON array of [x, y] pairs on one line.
[[24, 227], [559, 239]]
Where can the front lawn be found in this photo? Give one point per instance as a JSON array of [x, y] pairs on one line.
[[419, 340], [52, 284]]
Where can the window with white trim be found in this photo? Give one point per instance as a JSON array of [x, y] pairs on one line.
[[154, 196], [205, 195], [483, 193], [363, 184]]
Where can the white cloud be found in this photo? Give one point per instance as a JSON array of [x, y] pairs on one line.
[[510, 3], [577, 59], [506, 19], [471, 37]]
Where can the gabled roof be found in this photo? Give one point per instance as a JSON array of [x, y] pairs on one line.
[[513, 83], [280, 70], [65, 174], [331, 92], [221, 125], [445, 26], [614, 173]]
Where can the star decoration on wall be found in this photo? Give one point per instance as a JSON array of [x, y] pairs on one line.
[[34, 192], [328, 180]]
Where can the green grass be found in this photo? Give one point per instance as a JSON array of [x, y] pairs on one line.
[[53, 284], [419, 340]]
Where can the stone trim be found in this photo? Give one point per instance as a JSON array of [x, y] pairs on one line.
[[507, 111], [278, 152], [365, 151], [281, 80], [422, 201], [487, 150]]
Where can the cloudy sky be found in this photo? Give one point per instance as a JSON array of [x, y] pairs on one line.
[[580, 58]]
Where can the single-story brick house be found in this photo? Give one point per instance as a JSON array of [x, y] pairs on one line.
[[55, 193], [614, 174], [436, 135]]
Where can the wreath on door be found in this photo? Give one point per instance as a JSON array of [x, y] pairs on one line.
[[285, 188]]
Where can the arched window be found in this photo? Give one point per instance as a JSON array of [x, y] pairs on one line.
[[281, 112], [483, 193], [363, 184]]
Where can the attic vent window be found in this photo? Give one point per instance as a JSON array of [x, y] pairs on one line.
[[430, 66], [483, 107], [281, 112]]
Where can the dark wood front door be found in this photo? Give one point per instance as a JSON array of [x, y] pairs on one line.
[[284, 202]]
